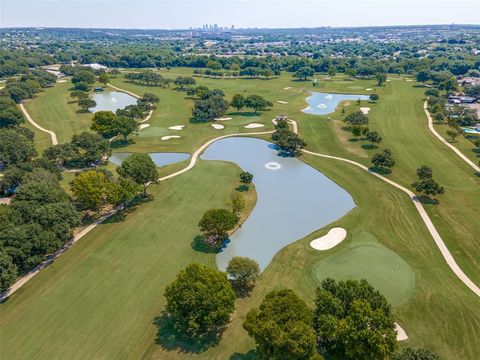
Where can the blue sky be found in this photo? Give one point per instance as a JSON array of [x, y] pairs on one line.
[[168, 14]]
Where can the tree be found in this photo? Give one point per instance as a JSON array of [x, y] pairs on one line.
[[357, 118], [238, 102], [304, 73], [199, 302], [381, 78], [125, 126], [15, 148], [282, 327], [122, 191], [237, 202], [84, 76], [215, 224], [432, 92], [182, 82], [10, 116], [90, 189], [208, 109], [429, 187], [374, 97], [452, 134], [424, 172], [86, 103], [150, 98], [373, 138], [423, 75], [243, 272], [267, 73], [104, 123], [383, 161], [288, 141], [103, 78], [214, 65], [115, 72], [353, 321], [82, 86], [8, 270], [246, 178], [332, 71], [140, 168], [257, 103], [414, 354]]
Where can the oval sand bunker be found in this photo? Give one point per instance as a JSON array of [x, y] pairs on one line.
[[334, 237]]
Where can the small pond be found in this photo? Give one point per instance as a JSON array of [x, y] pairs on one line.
[[111, 101], [293, 199], [324, 103], [160, 159]]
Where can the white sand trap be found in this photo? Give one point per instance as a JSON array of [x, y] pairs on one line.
[[365, 110], [177, 127], [368, 89], [282, 102], [254, 126], [61, 81], [401, 334], [223, 119], [170, 137], [217, 126], [287, 88], [409, 80], [389, 80], [334, 237], [143, 126]]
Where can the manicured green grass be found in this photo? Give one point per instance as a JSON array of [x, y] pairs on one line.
[[463, 144], [365, 258], [99, 299], [55, 110]]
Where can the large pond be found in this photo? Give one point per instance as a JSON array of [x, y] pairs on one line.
[[160, 159], [293, 199], [111, 101], [324, 103]]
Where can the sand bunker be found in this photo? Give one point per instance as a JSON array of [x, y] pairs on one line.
[[170, 137], [62, 81], [254, 126], [287, 88], [368, 89], [177, 127], [365, 110], [409, 80], [223, 119], [401, 334], [282, 102], [334, 237], [217, 126], [143, 126]]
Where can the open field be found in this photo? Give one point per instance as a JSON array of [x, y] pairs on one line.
[[99, 299]]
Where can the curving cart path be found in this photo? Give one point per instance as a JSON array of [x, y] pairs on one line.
[[421, 210], [30, 120], [434, 132]]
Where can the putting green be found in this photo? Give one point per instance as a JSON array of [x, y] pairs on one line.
[[383, 268]]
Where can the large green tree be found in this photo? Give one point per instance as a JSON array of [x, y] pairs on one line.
[[215, 224], [288, 141], [208, 109], [8, 270], [140, 168], [90, 189], [15, 148], [356, 118], [257, 103], [199, 302], [238, 102], [383, 161], [243, 272], [353, 321], [304, 73], [282, 327]]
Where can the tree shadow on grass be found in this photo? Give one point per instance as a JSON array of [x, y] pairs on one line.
[[250, 355], [199, 245], [241, 290], [242, 188], [120, 143], [381, 171], [369, 146], [426, 200], [170, 339]]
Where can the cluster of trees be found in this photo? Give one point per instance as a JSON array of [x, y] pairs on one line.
[[426, 185], [141, 108], [184, 82], [383, 161], [95, 188], [255, 102], [85, 150], [27, 85], [358, 122], [10, 115], [286, 140], [149, 78], [109, 124], [235, 71], [351, 320], [41, 216], [211, 105]]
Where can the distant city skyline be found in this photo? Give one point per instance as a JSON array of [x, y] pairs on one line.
[[181, 14]]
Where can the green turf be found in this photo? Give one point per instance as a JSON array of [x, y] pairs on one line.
[[367, 259], [99, 299]]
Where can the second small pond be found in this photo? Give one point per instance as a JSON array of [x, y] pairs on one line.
[[111, 101]]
